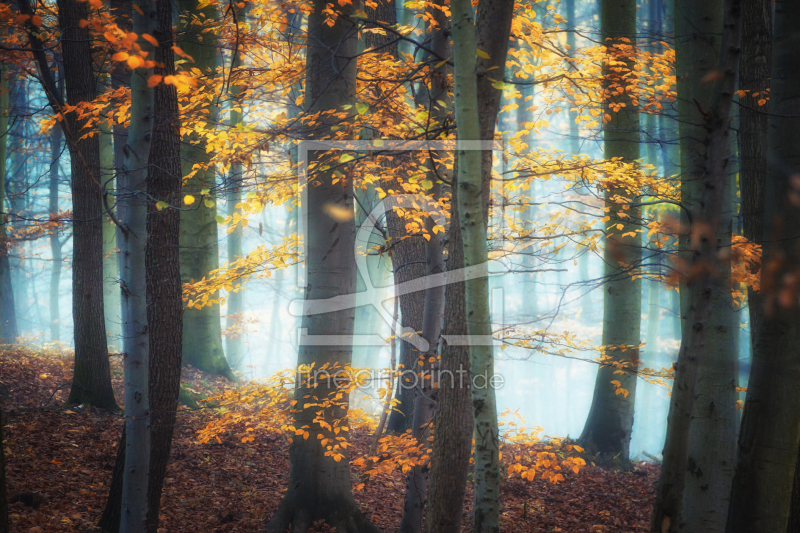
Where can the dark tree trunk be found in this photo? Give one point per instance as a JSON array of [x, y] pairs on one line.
[[754, 78], [706, 279], [91, 382], [164, 290], [319, 483], [769, 438], [4, 526]]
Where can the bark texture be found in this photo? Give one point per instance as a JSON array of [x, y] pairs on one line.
[[754, 78], [91, 382], [770, 435], [8, 317], [319, 485], [164, 289], [707, 276], [608, 427], [202, 330]]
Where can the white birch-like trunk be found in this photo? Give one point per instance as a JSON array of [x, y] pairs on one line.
[[132, 197]]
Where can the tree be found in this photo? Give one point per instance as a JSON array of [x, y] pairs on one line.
[[319, 480], [202, 333], [769, 438], [56, 137], [132, 184], [8, 328], [706, 280], [754, 80], [164, 289], [4, 527], [91, 382], [712, 435], [608, 427]]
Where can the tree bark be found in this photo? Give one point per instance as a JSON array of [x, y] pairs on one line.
[[707, 276], [135, 332], [111, 285], [164, 288], [608, 427], [4, 526], [91, 382], [754, 78], [770, 434], [202, 332], [8, 327], [440, 108], [319, 484], [55, 244]]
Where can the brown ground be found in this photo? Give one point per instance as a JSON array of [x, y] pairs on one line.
[[66, 455]]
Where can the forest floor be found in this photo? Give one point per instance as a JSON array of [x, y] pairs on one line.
[[67, 455]]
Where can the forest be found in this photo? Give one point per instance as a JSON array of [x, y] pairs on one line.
[[400, 265]]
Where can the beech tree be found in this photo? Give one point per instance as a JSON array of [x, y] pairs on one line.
[[707, 279], [91, 382], [319, 480], [202, 329], [8, 328], [610, 421], [769, 438]]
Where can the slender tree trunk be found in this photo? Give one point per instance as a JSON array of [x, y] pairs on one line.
[[8, 328], [708, 276], [754, 78], [610, 421], [712, 435], [91, 382], [135, 331], [319, 482], [202, 333], [55, 244], [164, 289], [770, 435], [235, 300], [111, 286], [4, 525]]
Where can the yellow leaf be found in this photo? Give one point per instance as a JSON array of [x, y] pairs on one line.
[[188, 199], [482, 54]]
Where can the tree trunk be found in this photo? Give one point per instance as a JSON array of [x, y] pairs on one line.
[[111, 286], [8, 328], [55, 244], [135, 332], [708, 277], [712, 434], [319, 482], [608, 427], [164, 289], [202, 333], [235, 300], [433, 305], [770, 435], [91, 382], [754, 78]]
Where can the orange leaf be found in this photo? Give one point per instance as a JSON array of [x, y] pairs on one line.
[[154, 80], [150, 39], [135, 62], [120, 56]]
